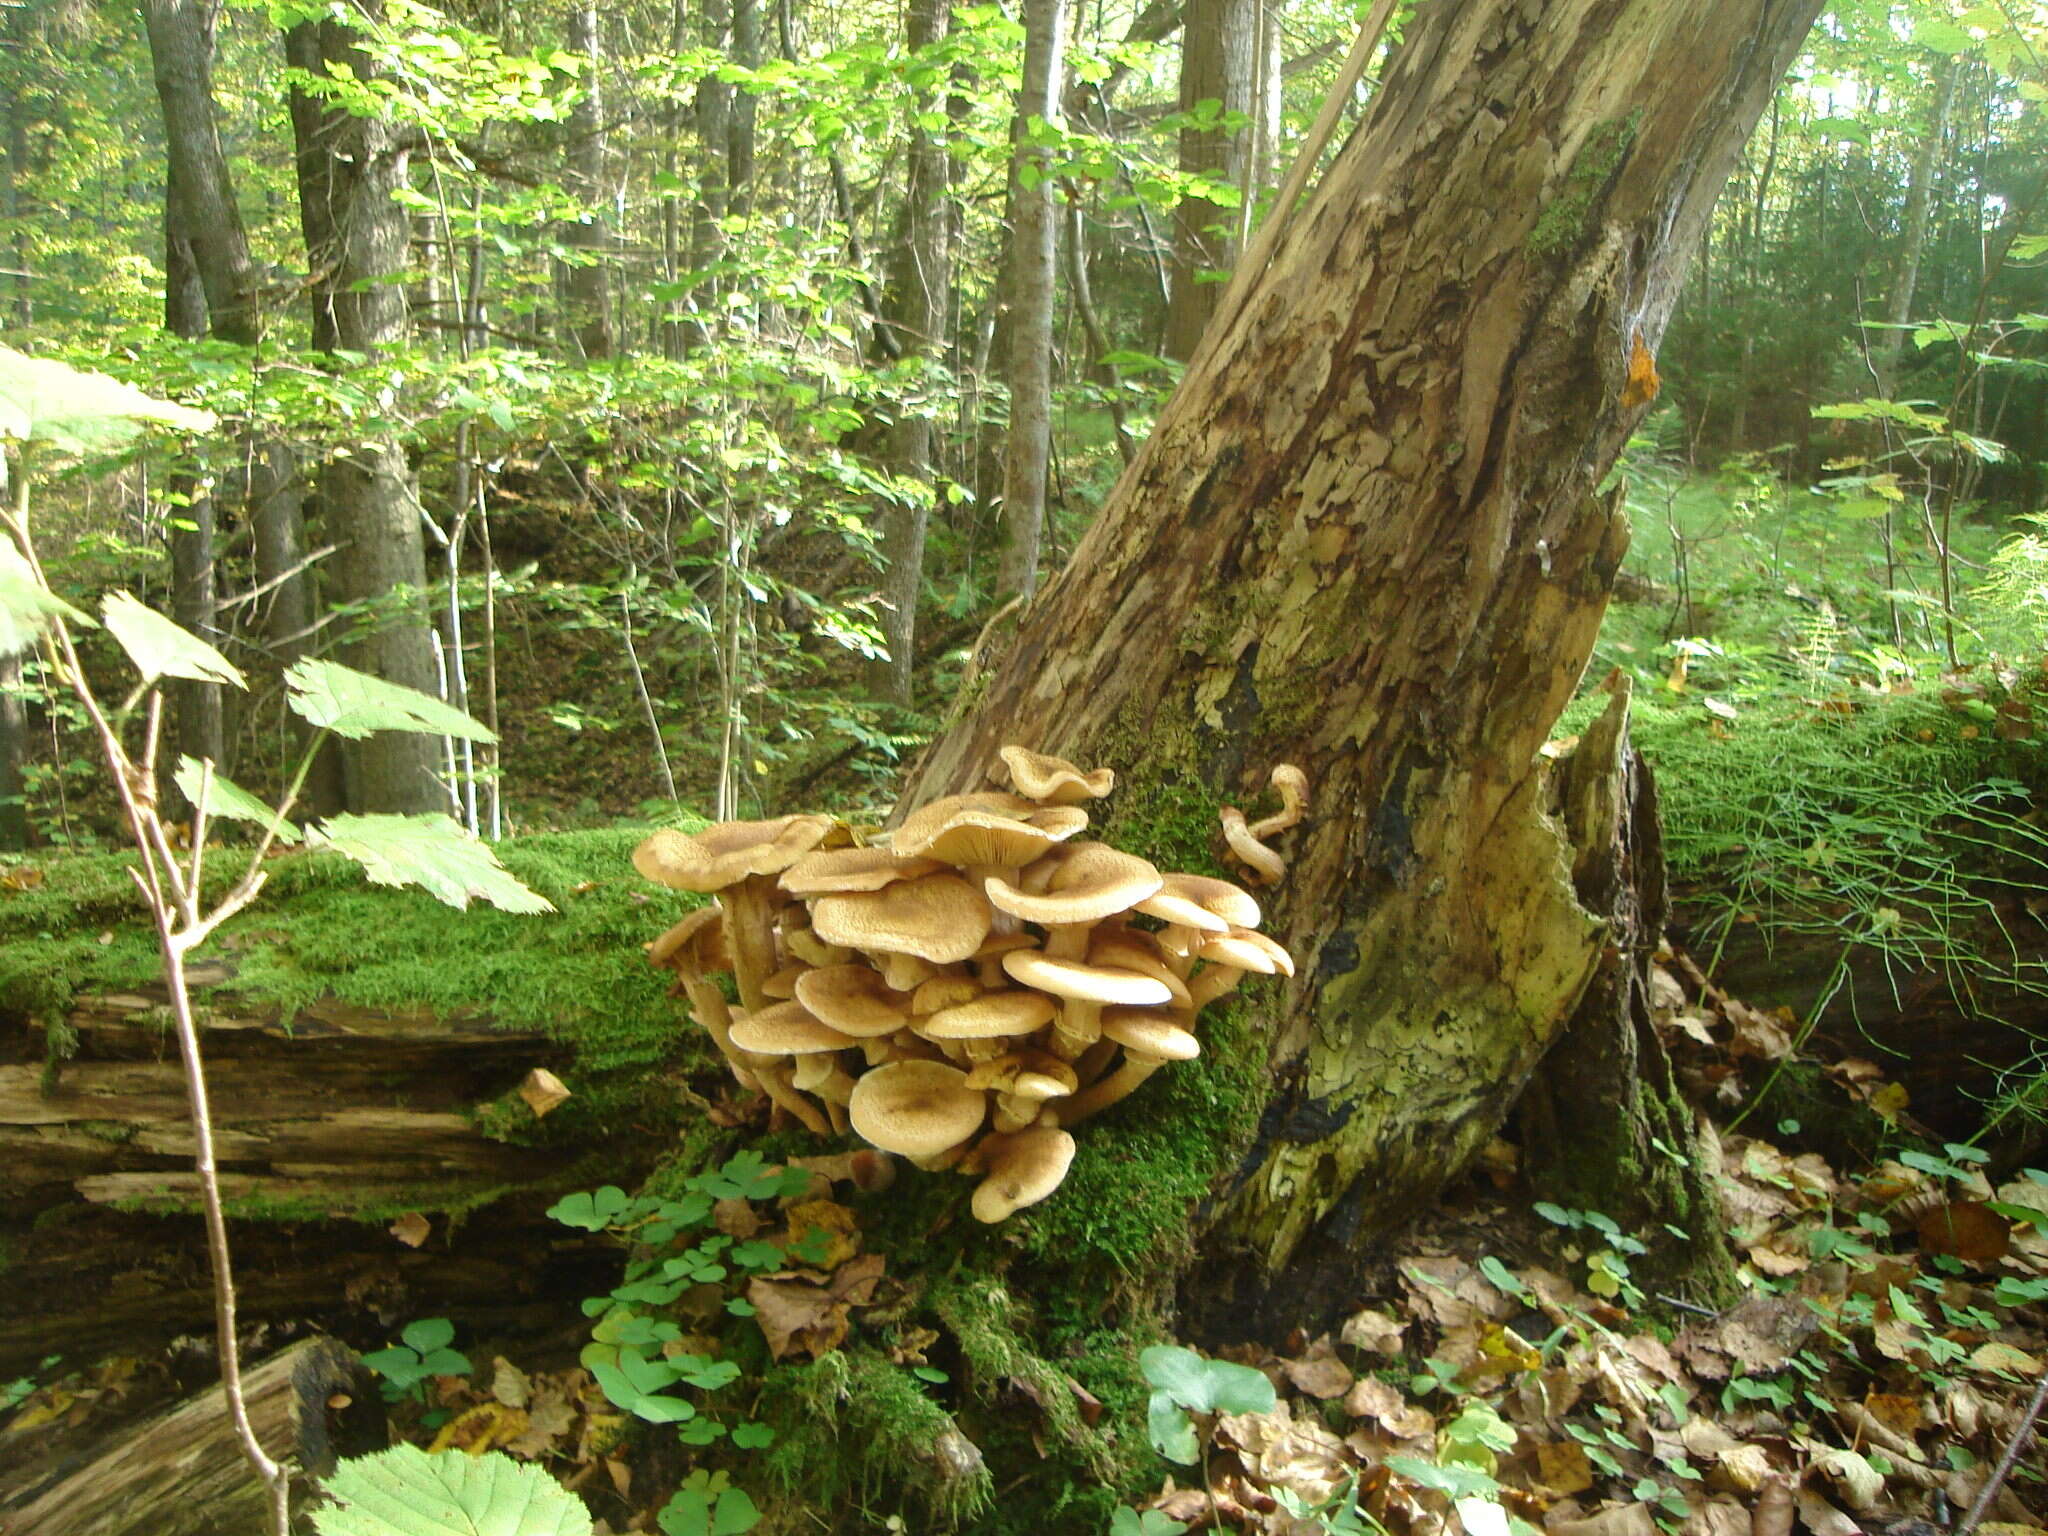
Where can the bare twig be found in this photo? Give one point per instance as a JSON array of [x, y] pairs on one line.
[[2021, 1434]]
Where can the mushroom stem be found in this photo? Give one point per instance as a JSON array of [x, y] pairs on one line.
[[1078, 1026], [1266, 865], [1213, 982], [708, 1008], [775, 1082], [1089, 1064], [1067, 941], [749, 907], [1113, 1089]]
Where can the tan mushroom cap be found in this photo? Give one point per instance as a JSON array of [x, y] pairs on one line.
[[1027, 1074], [1133, 949], [1150, 1032], [940, 918], [1243, 950], [1198, 901], [917, 1109], [1053, 780], [700, 937], [985, 828], [1022, 1170], [993, 1015], [854, 1000], [1087, 882], [781, 984], [787, 1029], [729, 852], [1084, 982], [852, 869], [944, 992]]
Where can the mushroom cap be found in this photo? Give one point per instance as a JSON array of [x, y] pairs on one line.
[[1053, 780], [982, 828], [1133, 949], [1087, 882], [915, 1108], [990, 1016], [1025, 1168], [697, 943], [729, 852], [853, 869], [1197, 901], [853, 999], [1083, 982], [940, 918], [1246, 951], [781, 984], [944, 992], [1027, 1074], [1150, 1032], [787, 1029]]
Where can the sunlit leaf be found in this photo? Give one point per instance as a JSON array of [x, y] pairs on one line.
[[44, 401], [228, 801], [406, 1491], [355, 704], [160, 648], [431, 852], [26, 605]]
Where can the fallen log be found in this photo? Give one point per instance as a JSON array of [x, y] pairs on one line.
[[181, 1472]]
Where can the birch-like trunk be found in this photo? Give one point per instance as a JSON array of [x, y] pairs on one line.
[[1218, 63], [1368, 536]]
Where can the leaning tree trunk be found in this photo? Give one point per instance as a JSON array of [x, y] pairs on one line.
[[1368, 537]]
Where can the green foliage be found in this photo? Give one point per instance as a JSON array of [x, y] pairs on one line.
[[73, 411], [406, 1491], [160, 649], [421, 1354], [1183, 1384]]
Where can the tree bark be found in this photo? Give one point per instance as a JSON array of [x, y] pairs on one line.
[[1034, 240], [1217, 63], [1368, 537], [13, 758], [920, 286], [586, 295], [348, 182], [1891, 342]]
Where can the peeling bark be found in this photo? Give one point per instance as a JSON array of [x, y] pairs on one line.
[[1368, 537]]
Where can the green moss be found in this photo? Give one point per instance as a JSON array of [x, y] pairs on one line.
[[1562, 224], [855, 1429], [321, 931]]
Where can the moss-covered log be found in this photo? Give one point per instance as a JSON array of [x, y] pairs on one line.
[[1368, 536]]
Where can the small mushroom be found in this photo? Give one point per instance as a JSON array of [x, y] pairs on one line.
[[1227, 956], [1191, 905], [1150, 1039], [985, 1022], [1084, 988], [1084, 882], [1266, 865], [1022, 1169], [916, 1109], [1054, 780], [1291, 784], [736, 861]]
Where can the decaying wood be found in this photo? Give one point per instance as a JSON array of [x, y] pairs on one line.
[[181, 1473], [1368, 537], [345, 1104]]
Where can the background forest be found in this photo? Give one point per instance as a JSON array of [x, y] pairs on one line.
[[684, 390]]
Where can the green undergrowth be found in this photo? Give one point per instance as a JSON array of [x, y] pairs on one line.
[[1063, 1294], [320, 931]]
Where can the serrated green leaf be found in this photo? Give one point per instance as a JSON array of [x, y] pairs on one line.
[[431, 852], [406, 1491], [228, 801], [26, 605], [355, 704], [160, 648], [44, 401]]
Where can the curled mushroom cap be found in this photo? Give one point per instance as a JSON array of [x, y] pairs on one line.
[[1266, 865], [944, 992], [1027, 1074], [696, 943], [992, 1015], [1150, 1032], [940, 918], [1244, 950], [1083, 982], [1054, 780], [853, 999], [1085, 882], [1132, 949], [1291, 785], [787, 1029], [915, 1108], [852, 869], [1197, 901], [1022, 1170], [729, 852]]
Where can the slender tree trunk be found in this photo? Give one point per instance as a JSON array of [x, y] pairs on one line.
[[371, 510], [1368, 537], [914, 310], [314, 130], [714, 166], [1034, 241], [739, 154], [1219, 47], [13, 759], [15, 171], [585, 286], [1898, 307]]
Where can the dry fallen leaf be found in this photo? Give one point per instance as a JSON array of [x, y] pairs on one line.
[[1319, 1372], [807, 1313], [1378, 1333], [1562, 1467], [412, 1229], [542, 1091]]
